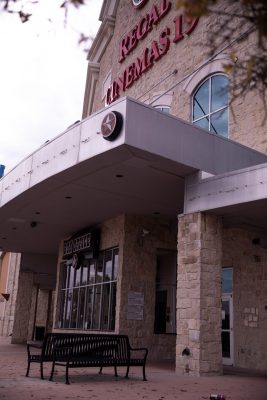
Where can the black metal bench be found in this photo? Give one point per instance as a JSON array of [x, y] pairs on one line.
[[95, 350], [75, 350]]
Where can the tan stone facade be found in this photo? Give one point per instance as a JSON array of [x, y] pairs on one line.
[[173, 266]]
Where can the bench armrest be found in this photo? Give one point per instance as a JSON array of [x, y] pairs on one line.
[[140, 349], [35, 344]]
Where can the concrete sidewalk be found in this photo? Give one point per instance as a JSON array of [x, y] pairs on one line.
[[162, 382]]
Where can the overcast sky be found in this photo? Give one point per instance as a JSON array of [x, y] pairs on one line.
[[42, 76]]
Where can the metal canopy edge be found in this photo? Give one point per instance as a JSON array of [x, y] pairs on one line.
[[79, 179]]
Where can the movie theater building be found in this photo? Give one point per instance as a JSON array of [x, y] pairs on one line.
[[149, 216]]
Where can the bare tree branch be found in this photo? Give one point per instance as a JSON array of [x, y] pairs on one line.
[[21, 9]]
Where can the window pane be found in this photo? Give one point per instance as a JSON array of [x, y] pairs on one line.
[[226, 344], [203, 123], [105, 306], [81, 310], [97, 305], [62, 310], [112, 306], [68, 308], [99, 275], [226, 319], [219, 123], [74, 308], [201, 101], [108, 266], [84, 273], [165, 295], [78, 277], [71, 277], [92, 272], [160, 311], [227, 280], [116, 264], [219, 92], [89, 305]]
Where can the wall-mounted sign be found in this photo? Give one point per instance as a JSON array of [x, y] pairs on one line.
[[87, 242], [145, 25], [139, 3], [182, 27], [111, 125], [135, 306]]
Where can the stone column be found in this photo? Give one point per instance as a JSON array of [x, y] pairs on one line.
[[199, 295], [23, 308], [11, 265]]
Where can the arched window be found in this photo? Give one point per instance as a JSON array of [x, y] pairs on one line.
[[210, 105]]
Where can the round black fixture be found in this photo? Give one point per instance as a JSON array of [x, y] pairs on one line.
[[111, 125]]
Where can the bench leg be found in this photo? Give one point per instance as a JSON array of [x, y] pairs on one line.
[[42, 370], [144, 373], [52, 371], [127, 372], [67, 376], [28, 368], [116, 372]]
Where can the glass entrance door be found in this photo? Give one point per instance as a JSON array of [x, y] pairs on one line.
[[227, 329]]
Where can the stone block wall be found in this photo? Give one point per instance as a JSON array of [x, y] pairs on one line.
[[249, 263], [42, 307], [162, 348], [39, 310], [139, 275], [177, 58], [31, 315], [247, 124], [11, 287], [199, 295]]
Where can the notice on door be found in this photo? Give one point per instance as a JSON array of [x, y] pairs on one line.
[[135, 307]]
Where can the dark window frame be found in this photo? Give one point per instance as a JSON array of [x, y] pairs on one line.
[[207, 116], [75, 314]]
